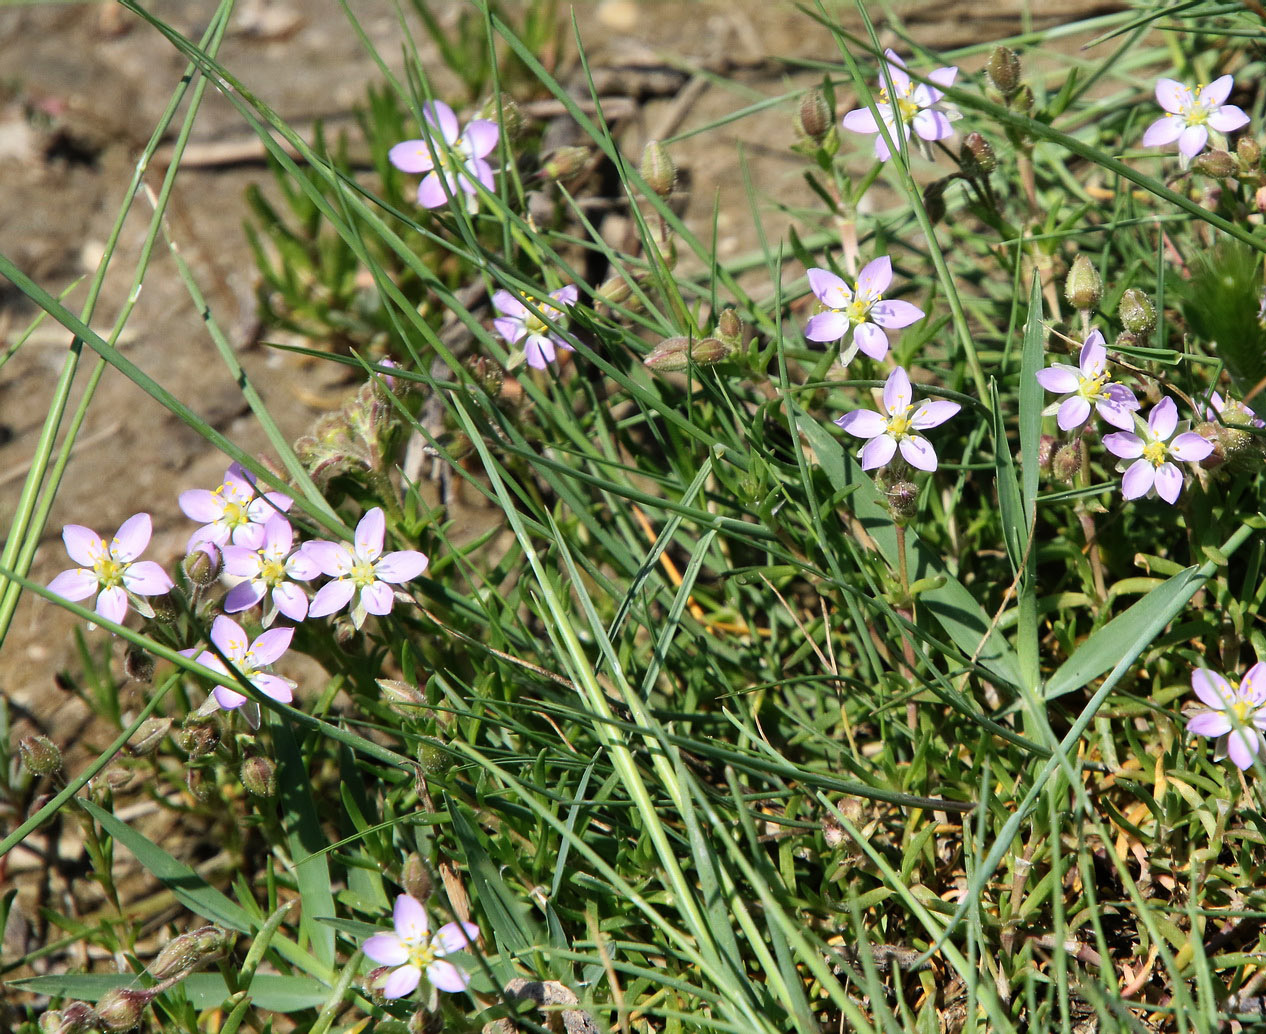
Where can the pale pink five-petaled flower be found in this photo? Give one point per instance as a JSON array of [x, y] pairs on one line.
[[270, 570], [236, 511], [112, 567], [1191, 114], [899, 426], [363, 571], [1087, 385], [414, 950], [864, 312], [456, 156], [1151, 454], [914, 105], [517, 323], [1234, 713], [249, 660]]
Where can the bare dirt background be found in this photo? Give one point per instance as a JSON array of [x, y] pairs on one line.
[[80, 89]]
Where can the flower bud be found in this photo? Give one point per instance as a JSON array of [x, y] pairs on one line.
[[40, 755], [164, 608], [202, 565], [189, 951], [401, 697], [138, 665], [76, 1018], [934, 200], [1023, 100], [415, 878], [977, 154], [504, 108], [903, 501], [420, 1022], [487, 374], [198, 737], [373, 985], [1003, 70], [815, 118], [566, 162], [202, 789], [259, 776], [677, 353], [51, 1021], [1249, 151], [1045, 449], [1216, 164], [832, 832], [1138, 314], [730, 328], [1083, 288], [658, 169], [433, 757], [344, 633], [120, 1010], [122, 780], [614, 292], [1066, 465]]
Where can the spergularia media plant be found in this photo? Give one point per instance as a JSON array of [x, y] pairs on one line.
[[520, 325], [1153, 452], [862, 311], [412, 950], [1191, 113], [911, 106], [1088, 387], [1233, 713], [898, 427], [112, 570], [453, 161]]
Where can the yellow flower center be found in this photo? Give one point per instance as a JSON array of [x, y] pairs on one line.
[[272, 572], [109, 572], [1091, 388], [858, 309], [362, 573], [1154, 453], [1243, 712], [899, 424]]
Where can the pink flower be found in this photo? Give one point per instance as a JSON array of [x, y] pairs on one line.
[[236, 510], [362, 572], [1191, 114], [519, 323], [1151, 466], [862, 312], [249, 661], [272, 568], [1234, 713], [414, 950], [112, 568], [900, 427], [1087, 385], [444, 151], [914, 106]]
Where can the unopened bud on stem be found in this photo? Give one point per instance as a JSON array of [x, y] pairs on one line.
[[658, 169], [1004, 71], [1083, 288], [815, 118], [1138, 314], [40, 755]]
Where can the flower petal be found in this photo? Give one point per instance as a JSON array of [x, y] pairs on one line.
[[1163, 418], [875, 277], [76, 584], [1242, 745], [453, 937], [863, 423], [404, 981], [826, 326], [291, 601], [1060, 379], [431, 192], [377, 598], [895, 314], [1168, 482], [147, 578], [897, 392], [228, 699], [274, 686], [112, 604], [1173, 96], [1124, 444], [878, 451], [481, 136], [200, 504], [411, 156], [1216, 92], [447, 977], [132, 538], [1093, 358], [410, 919], [1073, 412], [401, 566], [860, 120], [1190, 447], [386, 949], [331, 598], [441, 117], [1163, 131], [1209, 723], [933, 413], [932, 125], [829, 289], [333, 558], [918, 452], [1228, 118], [1138, 479], [1192, 141], [1212, 688], [871, 340], [84, 545], [270, 646], [243, 596]]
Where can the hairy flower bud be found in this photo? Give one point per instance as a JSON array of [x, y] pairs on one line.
[[1083, 288], [164, 608], [189, 951], [202, 565], [1023, 99], [415, 877], [40, 755], [503, 107], [344, 633], [406, 700], [76, 1018], [658, 169], [138, 665], [120, 1010], [934, 199], [566, 162], [1249, 151], [614, 292], [1045, 450], [677, 353], [1066, 465], [903, 501], [147, 738], [259, 776], [198, 737], [373, 985], [730, 328], [1003, 70], [202, 789], [815, 118], [1217, 164], [977, 154], [1138, 314], [433, 757]]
